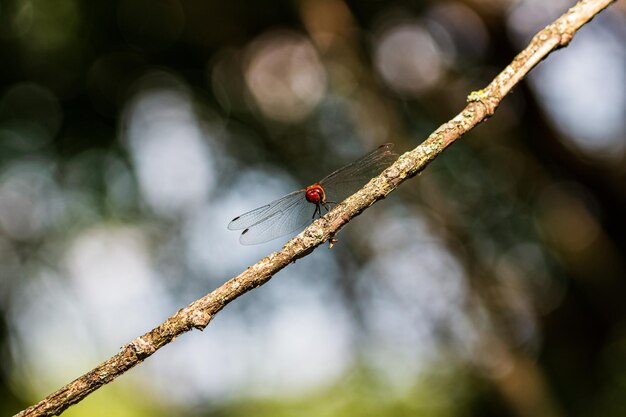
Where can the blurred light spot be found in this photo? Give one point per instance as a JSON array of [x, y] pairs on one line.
[[151, 25], [581, 90], [464, 28], [167, 143], [326, 20], [306, 347], [108, 259], [23, 18], [415, 291], [27, 200], [285, 76], [113, 278], [527, 17], [524, 270], [46, 26], [565, 218], [407, 58], [30, 116]]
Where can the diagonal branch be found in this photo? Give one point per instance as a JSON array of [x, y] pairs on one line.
[[481, 105]]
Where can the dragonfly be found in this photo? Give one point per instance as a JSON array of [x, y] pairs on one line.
[[295, 210]]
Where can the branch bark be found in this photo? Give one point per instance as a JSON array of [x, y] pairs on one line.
[[481, 105]]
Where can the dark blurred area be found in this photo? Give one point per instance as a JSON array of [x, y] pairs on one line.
[[491, 285]]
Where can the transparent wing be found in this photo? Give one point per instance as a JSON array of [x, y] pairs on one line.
[[347, 180], [275, 219], [259, 214], [287, 217]]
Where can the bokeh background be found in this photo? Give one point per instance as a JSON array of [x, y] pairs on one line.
[[131, 132]]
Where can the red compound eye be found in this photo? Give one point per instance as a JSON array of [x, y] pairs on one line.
[[315, 194]]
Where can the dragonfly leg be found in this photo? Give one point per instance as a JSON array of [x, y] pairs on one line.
[[317, 211]]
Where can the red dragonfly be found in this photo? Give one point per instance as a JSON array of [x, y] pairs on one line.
[[295, 210]]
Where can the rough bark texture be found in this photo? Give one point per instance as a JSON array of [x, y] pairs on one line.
[[481, 105]]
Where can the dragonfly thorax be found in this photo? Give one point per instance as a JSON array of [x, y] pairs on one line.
[[315, 194]]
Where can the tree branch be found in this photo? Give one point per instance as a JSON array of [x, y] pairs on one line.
[[481, 105]]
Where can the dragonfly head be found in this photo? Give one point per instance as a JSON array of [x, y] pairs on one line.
[[315, 194]]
